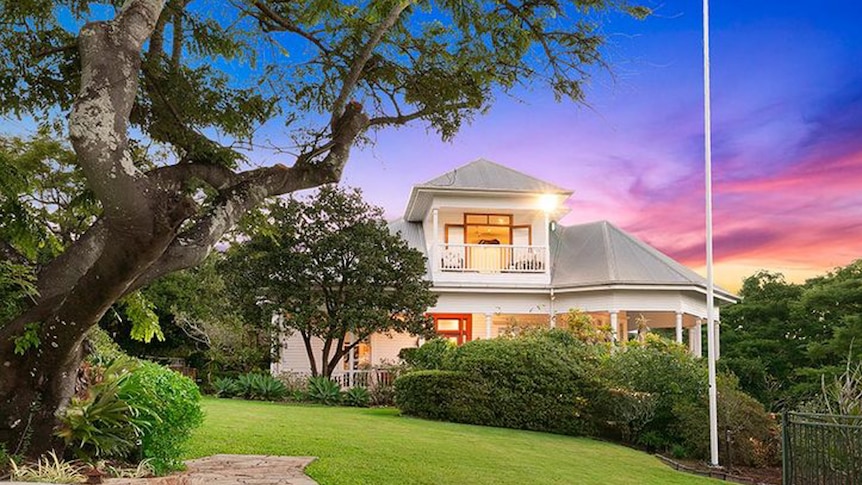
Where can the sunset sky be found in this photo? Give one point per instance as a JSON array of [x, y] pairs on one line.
[[787, 131]]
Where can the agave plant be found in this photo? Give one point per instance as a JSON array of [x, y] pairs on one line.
[[226, 387], [323, 390], [357, 396]]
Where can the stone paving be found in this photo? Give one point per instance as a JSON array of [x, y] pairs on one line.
[[234, 470]]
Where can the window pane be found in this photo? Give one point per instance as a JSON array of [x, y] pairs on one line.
[[501, 220], [448, 324], [477, 219]]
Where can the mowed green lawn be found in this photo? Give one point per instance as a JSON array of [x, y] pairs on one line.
[[378, 446]]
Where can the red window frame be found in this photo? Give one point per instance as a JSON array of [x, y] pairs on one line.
[[465, 326]]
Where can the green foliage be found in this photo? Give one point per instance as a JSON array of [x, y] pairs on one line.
[[623, 413], [17, 284], [104, 423], [357, 397], [443, 395], [540, 380], [175, 400], [782, 338], [29, 339], [252, 385], [748, 435], [49, 468], [585, 328], [226, 387], [323, 390], [433, 354], [444, 61], [667, 373], [44, 201], [842, 394], [103, 349], [329, 266], [145, 322]]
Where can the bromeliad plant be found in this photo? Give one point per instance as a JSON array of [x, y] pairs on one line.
[[103, 423]]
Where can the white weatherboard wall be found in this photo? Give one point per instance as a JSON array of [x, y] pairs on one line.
[[384, 349]]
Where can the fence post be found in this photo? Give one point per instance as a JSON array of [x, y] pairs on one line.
[[785, 449]]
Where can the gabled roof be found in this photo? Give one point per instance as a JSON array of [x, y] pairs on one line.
[[480, 177], [486, 175], [600, 254]]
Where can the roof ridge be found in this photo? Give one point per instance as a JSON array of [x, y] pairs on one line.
[[673, 264], [609, 249], [451, 174]]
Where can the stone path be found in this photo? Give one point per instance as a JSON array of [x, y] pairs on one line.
[[234, 470]]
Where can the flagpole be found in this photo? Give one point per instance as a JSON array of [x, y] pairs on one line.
[[710, 279]]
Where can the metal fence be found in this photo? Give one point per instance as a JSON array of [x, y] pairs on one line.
[[821, 449]]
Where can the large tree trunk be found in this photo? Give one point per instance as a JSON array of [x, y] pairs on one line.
[[138, 238]]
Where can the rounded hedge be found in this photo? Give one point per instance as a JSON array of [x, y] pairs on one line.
[[174, 402], [442, 395], [541, 381]]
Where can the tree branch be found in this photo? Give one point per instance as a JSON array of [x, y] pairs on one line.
[[287, 25], [338, 107], [9, 253], [402, 119], [98, 123]]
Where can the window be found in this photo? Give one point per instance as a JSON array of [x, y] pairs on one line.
[[454, 327], [488, 228]]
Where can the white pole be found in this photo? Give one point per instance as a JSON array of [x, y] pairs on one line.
[[710, 285]]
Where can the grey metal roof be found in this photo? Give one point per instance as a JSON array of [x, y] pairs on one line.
[[486, 175], [413, 233], [599, 253]]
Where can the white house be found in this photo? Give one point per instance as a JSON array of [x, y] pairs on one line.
[[496, 254]]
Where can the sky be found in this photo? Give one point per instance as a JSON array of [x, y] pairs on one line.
[[787, 138]]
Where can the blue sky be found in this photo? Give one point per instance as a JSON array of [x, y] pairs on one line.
[[787, 132]]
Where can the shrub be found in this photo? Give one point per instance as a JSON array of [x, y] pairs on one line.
[[540, 381], [433, 354], [104, 423], [263, 387], [667, 372], [443, 395], [175, 400], [295, 384], [623, 413], [357, 397], [226, 387], [748, 435], [323, 390]]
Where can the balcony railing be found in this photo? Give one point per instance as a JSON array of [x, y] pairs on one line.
[[491, 258]]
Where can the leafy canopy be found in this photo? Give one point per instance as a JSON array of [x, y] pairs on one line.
[[227, 68], [329, 266]]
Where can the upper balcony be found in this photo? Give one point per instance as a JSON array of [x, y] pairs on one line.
[[486, 225], [491, 259]]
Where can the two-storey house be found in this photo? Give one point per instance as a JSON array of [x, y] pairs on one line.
[[497, 255]]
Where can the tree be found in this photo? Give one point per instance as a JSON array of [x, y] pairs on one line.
[[782, 337], [334, 271], [186, 74], [329, 267]]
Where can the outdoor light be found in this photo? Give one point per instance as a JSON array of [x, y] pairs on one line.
[[548, 202]]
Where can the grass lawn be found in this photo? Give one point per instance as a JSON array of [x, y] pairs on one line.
[[377, 446]]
